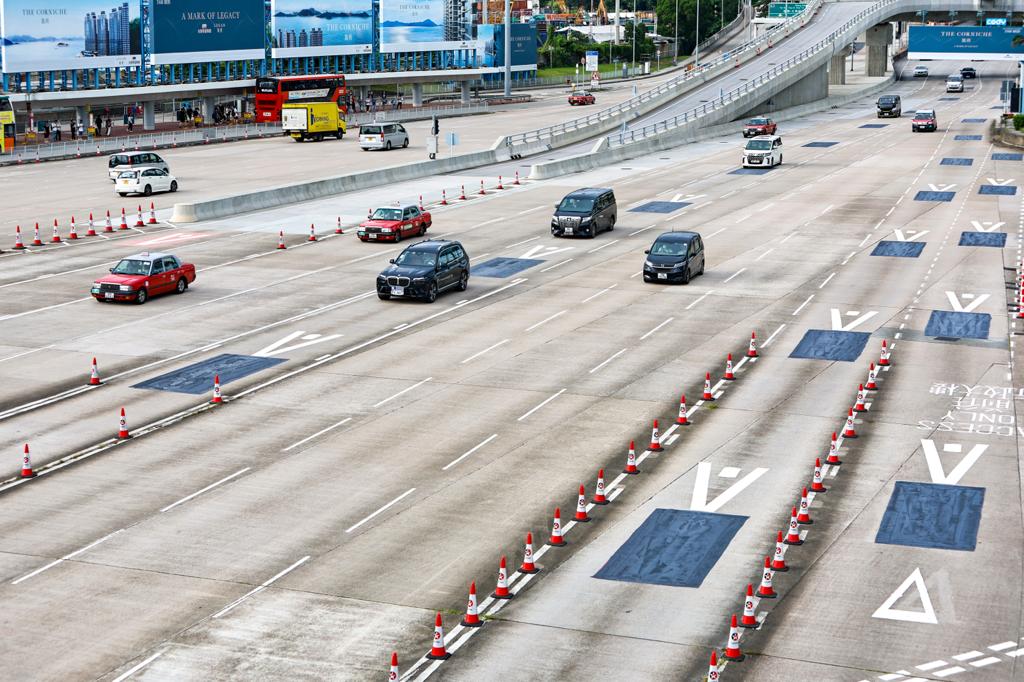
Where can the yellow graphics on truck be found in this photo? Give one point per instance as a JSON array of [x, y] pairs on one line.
[[312, 121]]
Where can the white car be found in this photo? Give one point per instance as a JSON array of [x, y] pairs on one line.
[[954, 84], [763, 151], [920, 72], [145, 181]]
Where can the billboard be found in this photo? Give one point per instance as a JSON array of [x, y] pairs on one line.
[[316, 28], [591, 63], [524, 44], [967, 42], [69, 34], [186, 31], [415, 25]]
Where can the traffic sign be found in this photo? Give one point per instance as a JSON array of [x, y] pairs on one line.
[[785, 9], [995, 21]]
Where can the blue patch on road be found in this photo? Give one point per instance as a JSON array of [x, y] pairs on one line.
[[951, 99], [820, 144], [996, 239], [821, 344], [967, 138], [949, 325], [750, 171], [898, 249], [198, 378], [504, 267], [874, 125], [955, 161], [673, 547], [661, 206], [1005, 190], [929, 195], [973, 120], [932, 515], [1007, 156]]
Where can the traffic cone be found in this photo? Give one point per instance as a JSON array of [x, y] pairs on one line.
[[732, 649], [152, 214], [138, 220], [804, 516], [217, 399], [779, 560], [36, 241], [312, 233], [26, 465], [581, 507], [393, 675], [501, 591], [338, 230], [749, 619], [72, 233], [528, 565], [816, 482], [482, 191], [752, 349], [631, 460], [833, 451], [599, 497], [681, 419], [472, 619], [444, 198], [437, 650], [280, 240], [94, 376], [421, 203], [56, 235], [517, 178], [872, 375], [122, 429], [499, 183], [849, 432], [859, 406], [729, 376], [124, 220], [883, 360], [91, 232], [765, 591], [18, 244], [707, 387], [462, 197], [793, 536], [655, 439], [713, 668], [556, 539], [108, 227]]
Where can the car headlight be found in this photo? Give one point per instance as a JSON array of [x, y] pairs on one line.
[[554, 222], [419, 279], [585, 220], [648, 264], [125, 287], [386, 229], [95, 290]]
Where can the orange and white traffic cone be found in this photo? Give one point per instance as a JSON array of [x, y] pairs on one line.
[[765, 591], [138, 220], [682, 419], [517, 178], [26, 464], [793, 536], [152, 214], [707, 388], [631, 460], [779, 560], [501, 591], [581, 507], [122, 426], [816, 483], [528, 565], [472, 618], [804, 515], [859, 406], [883, 360], [655, 445], [444, 198], [462, 196], [732, 649], [752, 349], [94, 376], [91, 232], [217, 399], [482, 190], [833, 451], [338, 230], [56, 233], [393, 675], [556, 539], [36, 241], [713, 668], [599, 496], [312, 233], [124, 220], [749, 619], [72, 233], [729, 376], [499, 183], [108, 226], [19, 245], [437, 649], [849, 431], [280, 240], [872, 375]]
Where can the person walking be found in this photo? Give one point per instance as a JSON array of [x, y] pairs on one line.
[[109, 125], [57, 132]]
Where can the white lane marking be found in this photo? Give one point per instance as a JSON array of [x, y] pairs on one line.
[[525, 241], [985, 661], [318, 433], [699, 499], [656, 328], [787, 237], [700, 298], [764, 253], [827, 280], [264, 585], [827, 209], [734, 275], [469, 452], [967, 656], [207, 488], [265, 286], [642, 229], [545, 320], [139, 666], [403, 391], [716, 232], [1015, 653], [382, 509], [893, 676], [935, 468], [614, 241], [531, 210], [546, 401], [932, 666], [66, 557], [742, 218], [485, 350], [949, 671], [801, 306], [774, 334], [27, 352], [552, 267], [593, 296], [43, 309], [1001, 647], [280, 346], [608, 360]]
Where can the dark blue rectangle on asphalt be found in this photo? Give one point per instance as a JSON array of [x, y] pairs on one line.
[[874, 125], [973, 120], [822, 344], [950, 99], [996, 239], [661, 206], [967, 138], [955, 161], [949, 325], [932, 515], [749, 171], [1007, 156], [198, 378], [898, 249], [672, 547], [504, 267], [1004, 190], [930, 195], [820, 144]]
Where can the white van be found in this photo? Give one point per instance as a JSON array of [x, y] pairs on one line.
[[763, 151], [132, 160], [954, 83], [386, 136]]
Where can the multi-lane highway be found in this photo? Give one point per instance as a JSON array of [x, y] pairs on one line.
[[382, 455]]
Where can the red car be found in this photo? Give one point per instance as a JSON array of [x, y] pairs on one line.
[[762, 125], [138, 277], [581, 97], [393, 224]]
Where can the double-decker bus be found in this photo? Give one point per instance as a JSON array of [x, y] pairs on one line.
[[272, 92], [6, 125]]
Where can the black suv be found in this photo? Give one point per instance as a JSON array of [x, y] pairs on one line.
[[968, 72], [584, 213], [889, 105], [674, 257], [424, 270]]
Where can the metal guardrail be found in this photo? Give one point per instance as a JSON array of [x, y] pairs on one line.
[[396, 115]]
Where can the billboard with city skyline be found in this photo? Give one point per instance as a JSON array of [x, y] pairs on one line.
[[416, 25], [313, 28], [186, 31], [69, 34]]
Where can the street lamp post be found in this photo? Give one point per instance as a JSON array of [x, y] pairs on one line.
[[696, 37], [634, 38], [675, 47]]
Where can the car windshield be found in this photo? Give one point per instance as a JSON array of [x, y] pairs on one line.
[[416, 258], [758, 122], [369, 130], [759, 144], [387, 214], [924, 114], [954, 79], [131, 267], [128, 174], [669, 248], [576, 204], [886, 100]]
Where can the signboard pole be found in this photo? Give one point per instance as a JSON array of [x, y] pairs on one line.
[[508, 48]]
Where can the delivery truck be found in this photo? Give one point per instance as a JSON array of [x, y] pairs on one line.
[[312, 121]]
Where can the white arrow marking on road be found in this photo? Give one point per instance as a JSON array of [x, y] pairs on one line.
[[999, 181], [959, 307], [941, 188], [541, 250], [938, 474], [837, 320], [909, 235], [699, 501], [986, 225], [687, 197], [308, 340], [927, 616]]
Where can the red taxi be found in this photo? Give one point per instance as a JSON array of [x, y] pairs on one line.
[[393, 223], [581, 97], [761, 125], [138, 277]]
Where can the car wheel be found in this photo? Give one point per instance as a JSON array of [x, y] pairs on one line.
[[387, 146], [383, 297], [464, 282], [780, 159], [423, 229], [182, 286], [174, 185], [611, 224], [124, 194], [701, 271], [141, 296], [432, 292], [398, 236], [686, 275], [148, 190], [405, 143]]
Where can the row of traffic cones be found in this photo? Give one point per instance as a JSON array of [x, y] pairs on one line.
[[108, 226]]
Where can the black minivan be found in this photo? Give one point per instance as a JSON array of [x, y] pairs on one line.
[[889, 105], [584, 213], [674, 257], [425, 269]]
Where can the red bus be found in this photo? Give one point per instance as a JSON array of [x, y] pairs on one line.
[[274, 91]]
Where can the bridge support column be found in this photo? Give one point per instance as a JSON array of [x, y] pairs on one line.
[[208, 104], [149, 115], [464, 88], [810, 88], [877, 40], [417, 94], [837, 67]]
